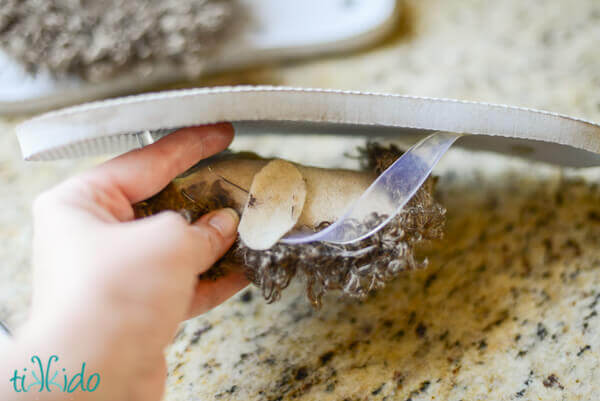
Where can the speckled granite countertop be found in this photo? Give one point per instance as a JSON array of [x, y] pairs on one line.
[[508, 307]]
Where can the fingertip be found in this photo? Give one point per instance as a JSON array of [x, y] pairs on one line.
[[215, 136], [225, 128], [225, 221], [215, 233]]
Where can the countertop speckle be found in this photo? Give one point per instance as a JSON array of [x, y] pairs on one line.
[[508, 307]]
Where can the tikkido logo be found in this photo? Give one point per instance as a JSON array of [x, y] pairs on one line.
[[48, 381]]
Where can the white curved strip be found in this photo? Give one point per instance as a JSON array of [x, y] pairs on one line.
[[80, 128]]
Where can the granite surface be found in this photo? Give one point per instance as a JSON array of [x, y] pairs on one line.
[[508, 307]]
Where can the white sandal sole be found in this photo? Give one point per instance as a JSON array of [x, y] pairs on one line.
[[122, 124]]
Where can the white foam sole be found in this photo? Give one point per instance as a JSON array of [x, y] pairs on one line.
[[270, 30], [122, 124]]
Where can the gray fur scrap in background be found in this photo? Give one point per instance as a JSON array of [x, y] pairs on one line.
[[97, 39]]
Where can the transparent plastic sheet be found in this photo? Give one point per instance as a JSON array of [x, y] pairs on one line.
[[386, 196]]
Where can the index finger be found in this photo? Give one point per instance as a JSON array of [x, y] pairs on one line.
[[142, 173]]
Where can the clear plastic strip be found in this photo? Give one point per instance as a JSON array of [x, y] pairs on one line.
[[386, 196]]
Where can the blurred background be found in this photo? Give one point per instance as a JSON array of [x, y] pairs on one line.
[[507, 307]]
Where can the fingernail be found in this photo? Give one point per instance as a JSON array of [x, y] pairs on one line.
[[225, 221]]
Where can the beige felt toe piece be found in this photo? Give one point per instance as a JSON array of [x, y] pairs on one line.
[[275, 203]]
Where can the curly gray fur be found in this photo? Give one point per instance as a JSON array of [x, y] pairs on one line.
[[96, 39]]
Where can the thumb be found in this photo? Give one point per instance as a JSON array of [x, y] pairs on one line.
[[217, 231], [195, 246]]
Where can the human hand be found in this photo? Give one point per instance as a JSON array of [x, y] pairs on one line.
[[110, 291]]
